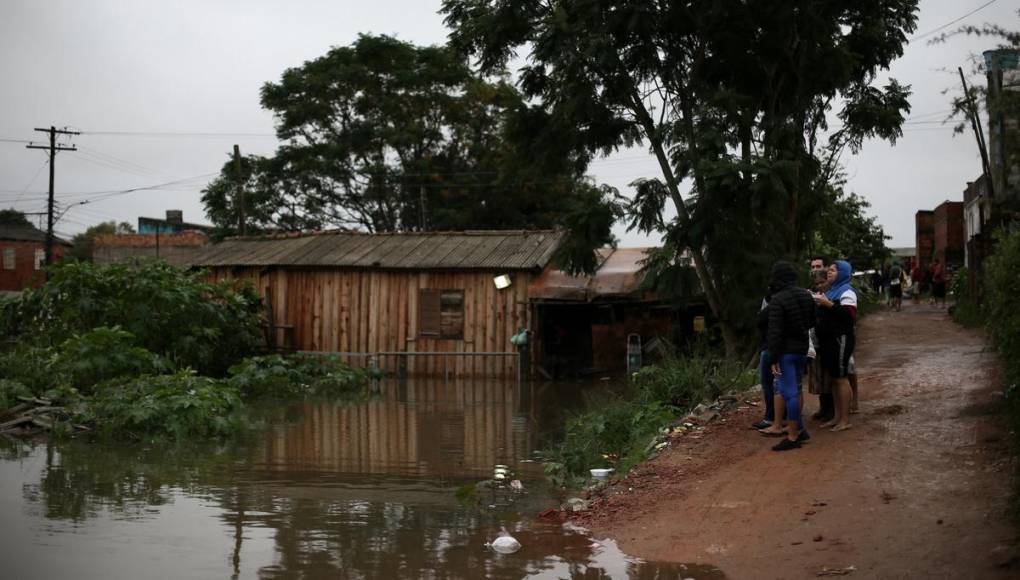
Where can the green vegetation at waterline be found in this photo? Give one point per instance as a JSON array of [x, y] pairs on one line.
[[149, 353], [616, 430]]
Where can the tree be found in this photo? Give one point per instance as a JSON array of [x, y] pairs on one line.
[[731, 98], [13, 217], [383, 135], [1001, 106], [846, 232], [85, 241]]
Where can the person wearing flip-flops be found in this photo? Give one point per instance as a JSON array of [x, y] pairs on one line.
[[835, 330], [791, 314]]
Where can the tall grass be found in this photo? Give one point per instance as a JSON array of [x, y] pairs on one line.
[[616, 430]]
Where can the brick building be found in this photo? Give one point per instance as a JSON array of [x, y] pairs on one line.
[[947, 223], [178, 249], [925, 232], [23, 255]]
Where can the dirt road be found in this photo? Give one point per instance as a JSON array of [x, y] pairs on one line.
[[917, 489]]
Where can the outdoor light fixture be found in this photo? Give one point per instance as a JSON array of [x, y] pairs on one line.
[[502, 281]]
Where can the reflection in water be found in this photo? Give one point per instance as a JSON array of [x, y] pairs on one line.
[[358, 491]]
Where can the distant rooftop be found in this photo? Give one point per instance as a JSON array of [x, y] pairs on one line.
[[27, 234]]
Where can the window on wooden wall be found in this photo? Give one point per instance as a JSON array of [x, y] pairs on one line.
[[8, 258], [441, 313]]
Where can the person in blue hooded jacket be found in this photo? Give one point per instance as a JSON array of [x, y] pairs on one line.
[[837, 315]]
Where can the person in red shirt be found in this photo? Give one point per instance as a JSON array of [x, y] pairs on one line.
[[938, 283]]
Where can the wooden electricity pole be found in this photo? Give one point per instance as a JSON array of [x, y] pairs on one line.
[[53, 148]]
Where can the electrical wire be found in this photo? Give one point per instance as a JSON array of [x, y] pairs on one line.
[[952, 22]]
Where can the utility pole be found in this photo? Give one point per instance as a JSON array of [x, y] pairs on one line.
[[239, 177], [979, 133], [53, 148]]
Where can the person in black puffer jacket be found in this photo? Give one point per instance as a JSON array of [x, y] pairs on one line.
[[791, 314]]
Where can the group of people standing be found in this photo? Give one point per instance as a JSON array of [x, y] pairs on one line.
[[892, 281], [807, 333]]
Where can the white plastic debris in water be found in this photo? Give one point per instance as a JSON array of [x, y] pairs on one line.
[[505, 544], [516, 485]]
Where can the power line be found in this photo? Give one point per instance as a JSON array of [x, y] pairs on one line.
[[175, 134], [952, 22]]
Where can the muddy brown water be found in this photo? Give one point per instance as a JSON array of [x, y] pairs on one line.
[[363, 490]]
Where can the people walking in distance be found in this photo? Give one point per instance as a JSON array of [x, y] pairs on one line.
[[791, 314], [916, 276], [836, 317], [938, 283]]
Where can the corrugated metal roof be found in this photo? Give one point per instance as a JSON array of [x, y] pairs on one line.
[[619, 275], [488, 250], [27, 234]]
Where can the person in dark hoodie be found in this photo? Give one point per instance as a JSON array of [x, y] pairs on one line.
[[791, 314], [765, 366]]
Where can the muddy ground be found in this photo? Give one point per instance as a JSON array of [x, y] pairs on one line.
[[917, 489]]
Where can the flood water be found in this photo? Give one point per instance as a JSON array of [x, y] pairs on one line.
[[364, 490]]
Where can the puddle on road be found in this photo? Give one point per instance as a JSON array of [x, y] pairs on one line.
[[329, 491]]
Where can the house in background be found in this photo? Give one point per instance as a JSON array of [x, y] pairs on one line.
[[23, 256], [947, 222], [925, 237], [170, 239], [173, 224], [940, 235], [585, 323], [445, 304], [977, 211]]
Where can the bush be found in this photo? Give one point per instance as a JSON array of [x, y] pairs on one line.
[[1001, 288], [175, 406], [965, 310], [617, 430], [289, 377], [104, 353], [170, 312], [10, 391], [32, 367]]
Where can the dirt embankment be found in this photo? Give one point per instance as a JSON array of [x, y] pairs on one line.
[[917, 489]]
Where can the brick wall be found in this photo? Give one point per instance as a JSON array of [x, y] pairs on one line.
[[176, 249], [23, 274], [925, 243], [947, 223]]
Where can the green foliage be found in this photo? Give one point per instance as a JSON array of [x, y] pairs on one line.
[[730, 97], [13, 217], [294, 377], [104, 353], [169, 312], [1001, 288], [965, 310], [616, 430], [846, 232], [31, 366], [10, 390], [383, 135], [175, 406]]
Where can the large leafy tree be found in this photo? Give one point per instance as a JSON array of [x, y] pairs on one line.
[[13, 217], [732, 99], [846, 231], [383, 135]]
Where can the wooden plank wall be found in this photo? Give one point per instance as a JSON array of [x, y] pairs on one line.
[[372, 311]]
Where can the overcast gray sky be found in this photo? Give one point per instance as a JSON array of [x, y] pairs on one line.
[[128, 73]]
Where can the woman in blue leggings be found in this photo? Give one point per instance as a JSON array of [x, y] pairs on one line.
[[791, 314]]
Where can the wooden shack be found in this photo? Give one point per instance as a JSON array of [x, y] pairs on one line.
[[427, 303]]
